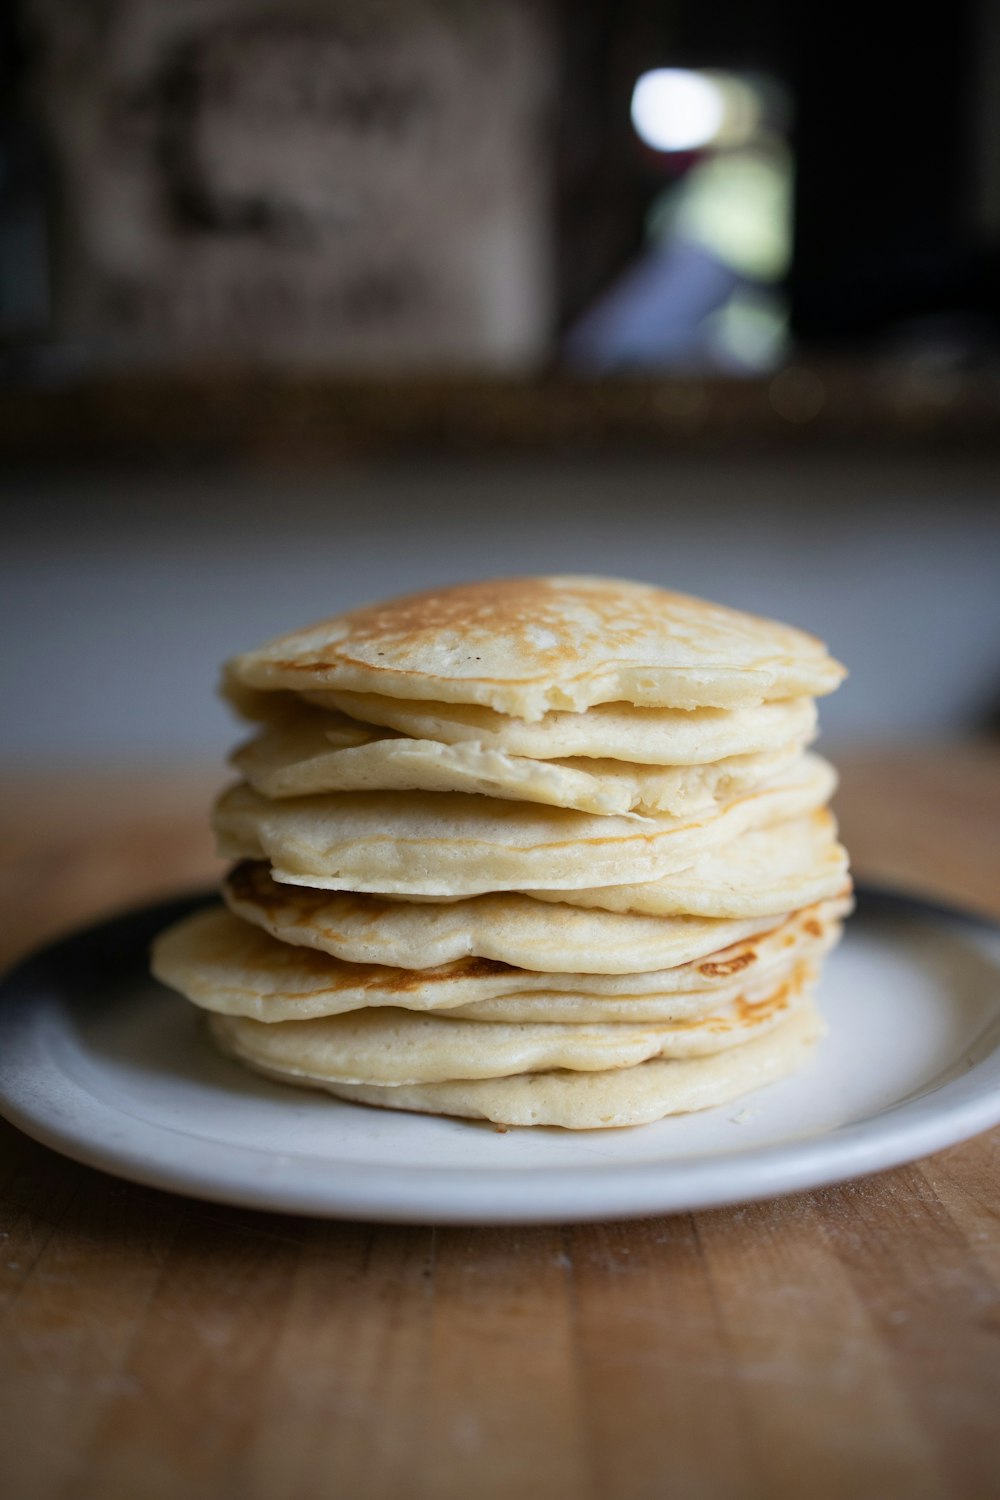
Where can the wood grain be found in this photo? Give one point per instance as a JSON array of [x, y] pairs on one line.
[[837, 1343]]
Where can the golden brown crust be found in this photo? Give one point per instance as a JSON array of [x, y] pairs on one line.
[[525, 645]]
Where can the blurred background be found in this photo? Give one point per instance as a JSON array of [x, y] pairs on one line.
[[308, 301]]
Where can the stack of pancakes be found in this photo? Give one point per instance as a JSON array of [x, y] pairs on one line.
[[544, 851]]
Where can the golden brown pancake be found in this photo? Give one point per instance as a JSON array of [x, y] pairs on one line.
[[524, 646], [223, 964]]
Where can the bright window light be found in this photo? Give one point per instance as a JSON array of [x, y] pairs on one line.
[[675, 109]]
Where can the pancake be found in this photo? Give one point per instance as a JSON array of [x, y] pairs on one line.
[[596, 1100], [525, 646], [311, 752], [447, 844], [576, 1008], [397, 1047], [223, 964], [608, 731], [661, 1009], [777, 868], [507, 927]]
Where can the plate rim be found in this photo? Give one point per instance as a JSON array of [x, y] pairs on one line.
[[246, 1177]]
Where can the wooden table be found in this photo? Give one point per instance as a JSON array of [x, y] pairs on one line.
[[843, 1343]]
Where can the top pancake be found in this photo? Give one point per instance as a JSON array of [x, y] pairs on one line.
[[525, 646]]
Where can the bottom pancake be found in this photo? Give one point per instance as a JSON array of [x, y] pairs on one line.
[[619, 1096]]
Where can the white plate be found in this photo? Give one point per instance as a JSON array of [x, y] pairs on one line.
[[99, 1062]]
